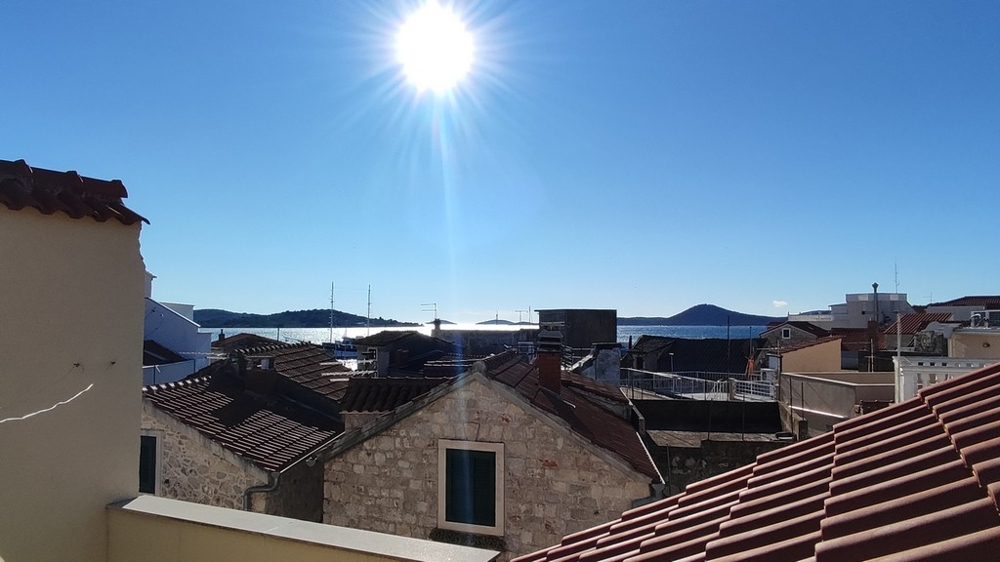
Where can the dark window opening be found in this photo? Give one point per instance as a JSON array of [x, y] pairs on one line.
[[147, 464], [470, 489]]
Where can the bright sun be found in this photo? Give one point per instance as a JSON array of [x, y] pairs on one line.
[[434, 48]]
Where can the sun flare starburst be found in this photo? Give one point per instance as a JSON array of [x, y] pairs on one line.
[[434, 47]]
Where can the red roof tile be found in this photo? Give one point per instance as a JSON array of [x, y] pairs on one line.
[[913, 323], [586, 418], [69, 193], [271, 432], [984, 301], [807, 327], [915, 481], [307, 365], [384, 395]]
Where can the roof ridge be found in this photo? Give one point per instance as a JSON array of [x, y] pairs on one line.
[[153, 388]]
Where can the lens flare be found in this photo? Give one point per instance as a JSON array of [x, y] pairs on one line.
[[435, 49]]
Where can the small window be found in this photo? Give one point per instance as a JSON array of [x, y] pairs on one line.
[[470, 486], [149, 462], [786, 333]]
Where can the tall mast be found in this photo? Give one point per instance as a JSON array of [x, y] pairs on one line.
[[333, 287], [368, 319]]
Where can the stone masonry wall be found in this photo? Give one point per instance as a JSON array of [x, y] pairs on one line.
[[299, 494], [554, 483], [193, 468]]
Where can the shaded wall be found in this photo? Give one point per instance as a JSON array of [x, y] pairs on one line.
[[70, 376]]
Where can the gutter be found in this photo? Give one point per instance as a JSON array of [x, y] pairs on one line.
[[274, 477], [272, 484]]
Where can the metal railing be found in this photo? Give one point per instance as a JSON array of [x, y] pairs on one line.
[[706, 386]]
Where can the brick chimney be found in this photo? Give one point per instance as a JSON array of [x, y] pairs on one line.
[[549, 361]]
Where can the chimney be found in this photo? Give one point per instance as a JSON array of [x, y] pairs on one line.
[[549, 361]]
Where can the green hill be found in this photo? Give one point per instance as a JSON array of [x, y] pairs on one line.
[[703, 315], [315, 318]]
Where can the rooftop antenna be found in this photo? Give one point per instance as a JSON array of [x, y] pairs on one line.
[[368, 319], [434, 307], [896, 271], [519, 311]]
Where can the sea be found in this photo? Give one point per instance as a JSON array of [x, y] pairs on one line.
[[625, 333]]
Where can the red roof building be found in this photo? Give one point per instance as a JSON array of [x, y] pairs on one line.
[[915, 481]]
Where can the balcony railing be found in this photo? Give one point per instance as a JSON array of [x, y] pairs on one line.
[[914, 373]]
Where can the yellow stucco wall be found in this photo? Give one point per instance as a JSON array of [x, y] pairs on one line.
[[153, 529], [139, 538], [974, 345], [71, 313], [819, 358]]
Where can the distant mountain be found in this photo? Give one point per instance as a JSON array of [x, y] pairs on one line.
[[315, 318], [703, 315], [495, 322]]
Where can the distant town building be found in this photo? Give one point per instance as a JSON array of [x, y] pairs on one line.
[[858, 310]]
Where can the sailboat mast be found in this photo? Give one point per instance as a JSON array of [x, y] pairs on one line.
[[333, 288]]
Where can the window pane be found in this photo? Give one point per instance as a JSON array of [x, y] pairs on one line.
[[147, 464], [470, 487]]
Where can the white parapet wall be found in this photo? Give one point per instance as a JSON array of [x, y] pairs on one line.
[[914, 373]]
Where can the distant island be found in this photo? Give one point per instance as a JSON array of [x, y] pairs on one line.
[[315, 318], [700, 315], [703, 315]]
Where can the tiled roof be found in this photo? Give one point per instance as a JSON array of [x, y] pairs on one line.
[[243, 340], [69, 193], [857, 339], [384, 395], [917, 481], [807, 327], [984, 301], [803, 345], [913, 323], [386, 337], [585, 418], [307, 365], [271, 432]]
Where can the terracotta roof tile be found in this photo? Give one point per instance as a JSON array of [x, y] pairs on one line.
[[586, 418], [69, 193], [270, 432], [915, 481], [384, 395], [913, 323], [307, 365], [984, 301]]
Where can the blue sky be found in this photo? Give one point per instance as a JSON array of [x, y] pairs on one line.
[[645, 156]]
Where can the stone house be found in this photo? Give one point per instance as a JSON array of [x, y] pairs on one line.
[[792, 333], [245, 433], [508, 455]]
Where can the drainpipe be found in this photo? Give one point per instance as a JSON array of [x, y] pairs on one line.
[[273, 477], [272, 484]]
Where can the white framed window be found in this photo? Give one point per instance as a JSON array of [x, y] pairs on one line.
[[150, 455], [470, 487], [786, 333]]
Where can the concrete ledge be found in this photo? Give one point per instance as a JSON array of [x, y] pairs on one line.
[[152, 529]]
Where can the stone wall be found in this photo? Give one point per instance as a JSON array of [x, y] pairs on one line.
[[555, 483], [299, 494], [195, 469]]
